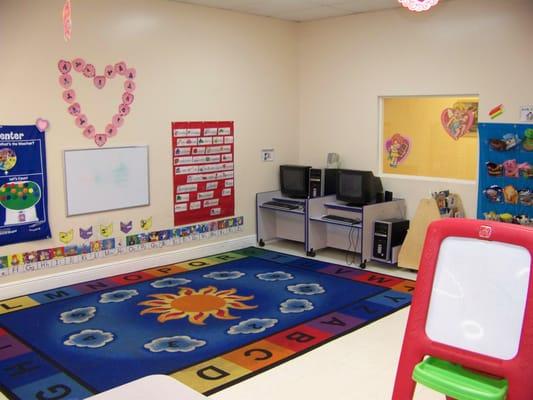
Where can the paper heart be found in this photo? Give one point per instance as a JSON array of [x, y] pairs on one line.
[[456, 122], [78, 65], [41, 124], [398, 148], [100, 139]]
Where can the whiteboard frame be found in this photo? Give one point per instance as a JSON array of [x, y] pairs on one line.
[[104, 149]]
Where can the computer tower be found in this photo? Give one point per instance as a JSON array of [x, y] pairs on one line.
[[388, 238], [330, 181], [315, 183]]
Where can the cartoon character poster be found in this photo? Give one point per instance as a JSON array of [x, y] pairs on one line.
[[460, 119], [23, 190], [397, 147]]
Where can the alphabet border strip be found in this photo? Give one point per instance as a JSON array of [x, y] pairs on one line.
[[90, 250]]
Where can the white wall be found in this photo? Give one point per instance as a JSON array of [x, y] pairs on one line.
[[193, 64], [460, 47]]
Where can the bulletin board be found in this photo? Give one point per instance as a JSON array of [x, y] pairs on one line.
[[23, 187], [415, 141], [107, 179], [203, 170]]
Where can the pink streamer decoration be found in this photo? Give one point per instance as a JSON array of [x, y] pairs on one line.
[[67, 21]]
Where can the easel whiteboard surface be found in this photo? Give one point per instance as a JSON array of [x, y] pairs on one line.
[[479, 296], [106, 179]]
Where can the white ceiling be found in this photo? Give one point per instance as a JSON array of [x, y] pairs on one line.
[[298, 10]]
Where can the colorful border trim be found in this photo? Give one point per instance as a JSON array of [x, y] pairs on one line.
[[78, 253]]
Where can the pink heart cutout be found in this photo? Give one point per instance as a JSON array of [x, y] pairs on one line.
[[100, 139], [456, 122], [41, 124], [78, 65]]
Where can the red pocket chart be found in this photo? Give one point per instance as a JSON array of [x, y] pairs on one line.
[[203, 166]]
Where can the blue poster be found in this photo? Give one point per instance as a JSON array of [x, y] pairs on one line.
[[23, 190]]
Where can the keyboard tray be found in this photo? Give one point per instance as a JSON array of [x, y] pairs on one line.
[[338, 218], [281, 205]]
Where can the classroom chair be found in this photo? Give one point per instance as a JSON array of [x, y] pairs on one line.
[[469, 334]]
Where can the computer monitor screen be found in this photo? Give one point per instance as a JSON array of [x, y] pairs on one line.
[[294, 180], [357, 188]]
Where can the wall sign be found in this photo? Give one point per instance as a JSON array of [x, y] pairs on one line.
[[203, 171], [23, 190]]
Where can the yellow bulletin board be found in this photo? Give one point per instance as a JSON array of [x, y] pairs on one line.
[[431, 146]]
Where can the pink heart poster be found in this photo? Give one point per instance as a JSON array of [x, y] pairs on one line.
[[456, 122]]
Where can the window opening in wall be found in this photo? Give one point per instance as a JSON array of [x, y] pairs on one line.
[[429, 136]]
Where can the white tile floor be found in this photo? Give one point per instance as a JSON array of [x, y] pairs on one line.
[[357, 366]]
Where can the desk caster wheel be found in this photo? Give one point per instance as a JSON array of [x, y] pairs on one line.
[[362, 265], [311, 253], [261, 243]]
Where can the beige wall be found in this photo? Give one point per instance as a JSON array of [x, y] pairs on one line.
[[193, 63], [461, 47], [303, 89]]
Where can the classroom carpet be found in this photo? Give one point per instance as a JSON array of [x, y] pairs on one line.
[[209, 322]]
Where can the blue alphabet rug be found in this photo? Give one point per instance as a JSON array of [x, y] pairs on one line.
[[209, 322]]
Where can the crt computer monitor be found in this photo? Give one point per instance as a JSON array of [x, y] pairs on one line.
[[358, 188], [294, 181]]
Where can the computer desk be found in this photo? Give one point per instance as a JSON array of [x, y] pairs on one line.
[[357, 237], [307, 225], [277, 223]]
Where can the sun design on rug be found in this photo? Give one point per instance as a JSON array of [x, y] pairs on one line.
[[196, 305]]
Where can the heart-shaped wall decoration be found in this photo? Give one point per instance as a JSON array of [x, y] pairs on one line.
[[41, 124], [456, 122], [398, 148], [87, 70]]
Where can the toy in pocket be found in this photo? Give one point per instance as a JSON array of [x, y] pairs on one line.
[[491, 216], [510, 168], [507, 142], [506, 217], [525, 197], [494, 169], [494, 193], [528, 140], [522, 219], [510, 194]]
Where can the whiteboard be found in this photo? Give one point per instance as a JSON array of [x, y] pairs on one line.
[[107, 179], [479, 296]]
